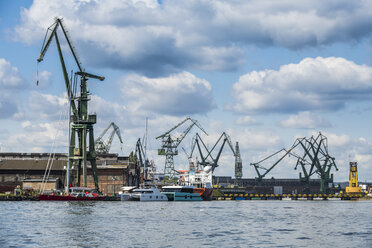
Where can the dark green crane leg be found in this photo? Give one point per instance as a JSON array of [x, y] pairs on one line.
[[79, 131], [84, 146], [92, 157], [71, 157]]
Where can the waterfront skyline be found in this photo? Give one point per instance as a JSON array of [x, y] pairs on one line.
[[264, 72]]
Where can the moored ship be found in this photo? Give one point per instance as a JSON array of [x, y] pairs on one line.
[[75, 194], [181, 193], [200, 179], [149, 194]]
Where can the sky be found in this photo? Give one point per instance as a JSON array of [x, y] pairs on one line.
[[264, 72]]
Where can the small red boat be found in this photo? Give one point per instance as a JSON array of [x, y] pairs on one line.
[[76, 194]]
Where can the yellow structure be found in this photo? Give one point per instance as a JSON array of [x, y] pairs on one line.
[[353, 180]]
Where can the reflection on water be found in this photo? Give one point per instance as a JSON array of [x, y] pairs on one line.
[[186, 224]]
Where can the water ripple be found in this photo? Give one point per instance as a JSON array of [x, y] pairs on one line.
[[188, 224]]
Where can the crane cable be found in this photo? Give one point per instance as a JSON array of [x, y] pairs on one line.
[[51, 157]]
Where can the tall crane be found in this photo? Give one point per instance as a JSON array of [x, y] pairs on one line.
[[103, 146], [208, 160], [170, 144], [82, 121], [315, 160]]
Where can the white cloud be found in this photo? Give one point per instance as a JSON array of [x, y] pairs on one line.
[[39, 138], [8, 107], [210, 35], [246, 120], [257, 140], [11, 84], [47, 106], [179, 94], [305, 120], [321, 84], [10, 78], [335, 140]]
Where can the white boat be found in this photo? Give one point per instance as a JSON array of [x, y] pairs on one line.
[[125, 192], [151, 194], [318, 199], [334, 199], [302, 199], [286, 199]]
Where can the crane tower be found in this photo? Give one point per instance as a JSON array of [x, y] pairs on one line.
[[82, 122]]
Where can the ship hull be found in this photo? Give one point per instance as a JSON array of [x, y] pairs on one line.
[[69, 198], [205, 193]]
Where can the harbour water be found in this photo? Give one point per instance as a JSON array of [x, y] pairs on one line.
[[186, 224]]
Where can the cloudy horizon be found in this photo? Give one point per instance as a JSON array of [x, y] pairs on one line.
[[264, 72]]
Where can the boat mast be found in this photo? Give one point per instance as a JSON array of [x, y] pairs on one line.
[[145, 156]]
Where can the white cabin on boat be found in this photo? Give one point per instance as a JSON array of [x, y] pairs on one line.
[[150, 194]]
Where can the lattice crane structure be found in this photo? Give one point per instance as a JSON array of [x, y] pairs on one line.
[[314, 160], [82, 122], [207, 159], [103, 146], [170, 144]]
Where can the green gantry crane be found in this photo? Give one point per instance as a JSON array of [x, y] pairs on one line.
[[315, 160], [81, 122], [170, 144]]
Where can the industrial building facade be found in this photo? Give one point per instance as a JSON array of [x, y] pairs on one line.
[[28, 169]]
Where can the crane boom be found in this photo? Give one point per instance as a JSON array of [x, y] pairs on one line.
[[173, 128], [49, 40], [58, 22], [194, 122], [258, 166], [53, 33]]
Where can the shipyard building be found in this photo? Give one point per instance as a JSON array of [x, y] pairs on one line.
[[27, 170]]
